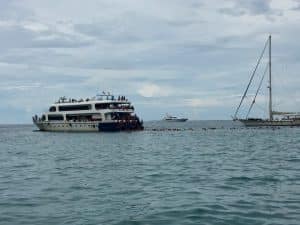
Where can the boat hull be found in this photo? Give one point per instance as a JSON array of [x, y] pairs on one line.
[[92, 126], [268, 123], [176, 120]]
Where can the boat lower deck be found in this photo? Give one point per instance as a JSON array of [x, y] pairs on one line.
[[90, 126]]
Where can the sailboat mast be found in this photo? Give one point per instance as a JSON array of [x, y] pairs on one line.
[[270, 79]]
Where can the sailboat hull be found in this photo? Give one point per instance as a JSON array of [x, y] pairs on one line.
[[269, 123]]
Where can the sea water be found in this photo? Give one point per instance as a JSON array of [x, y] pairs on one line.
[[212, 172]]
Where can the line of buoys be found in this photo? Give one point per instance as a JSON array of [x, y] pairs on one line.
[[214, 128], [170, 129]]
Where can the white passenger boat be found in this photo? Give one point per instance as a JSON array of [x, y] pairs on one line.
[[174, 118], [103, 112]]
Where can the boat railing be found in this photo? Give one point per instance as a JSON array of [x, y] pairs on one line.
[[98, 97]]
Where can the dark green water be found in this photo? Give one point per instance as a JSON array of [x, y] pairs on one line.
[[191, 176]]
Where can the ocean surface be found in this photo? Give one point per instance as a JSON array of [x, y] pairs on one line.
[[199, 172]]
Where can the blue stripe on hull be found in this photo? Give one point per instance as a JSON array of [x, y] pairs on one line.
[[109, 127]]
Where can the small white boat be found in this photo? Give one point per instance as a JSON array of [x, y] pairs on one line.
[[174, 118]]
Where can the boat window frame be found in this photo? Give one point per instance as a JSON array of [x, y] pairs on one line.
[[52, 109], [68, 108]]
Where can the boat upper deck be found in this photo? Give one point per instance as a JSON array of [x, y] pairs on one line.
[[97, 99], [99, 102]]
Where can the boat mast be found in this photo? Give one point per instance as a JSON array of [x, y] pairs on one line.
[[270, 79]]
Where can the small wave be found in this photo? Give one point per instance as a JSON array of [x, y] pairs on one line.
[[293, 160]]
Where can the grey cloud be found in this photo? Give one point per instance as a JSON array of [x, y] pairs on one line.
[[38, 76], [255, 6], [250, 7], [232, 11], [10, 10], [133, 27], [184, 22], [16, 36], [111, 31], [121, 32], [297, 7], [34, 56], [62, 41]]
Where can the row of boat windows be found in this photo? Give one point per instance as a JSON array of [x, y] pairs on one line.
[[74, 125], [89, 107], [55, 117], [71, 108], [70, 117]]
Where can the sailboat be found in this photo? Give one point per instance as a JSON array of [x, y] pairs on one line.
[[275, 118]]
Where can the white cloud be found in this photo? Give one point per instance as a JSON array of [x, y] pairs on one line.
[[36, 27], [203, 102], [18, 87], [153, 90]]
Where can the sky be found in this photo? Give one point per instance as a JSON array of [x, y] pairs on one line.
[[190, 58]]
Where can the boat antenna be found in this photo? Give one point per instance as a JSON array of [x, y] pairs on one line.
[[270, 79], [251, 79]]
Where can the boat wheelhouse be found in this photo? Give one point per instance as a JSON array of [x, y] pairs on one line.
[[103, 112]]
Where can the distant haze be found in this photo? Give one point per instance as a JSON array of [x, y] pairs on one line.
[[188, 58]]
